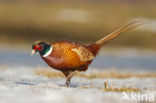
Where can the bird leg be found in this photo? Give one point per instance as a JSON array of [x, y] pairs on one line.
[[69, 75], [66, 73]]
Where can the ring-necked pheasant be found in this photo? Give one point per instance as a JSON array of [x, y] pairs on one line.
[[70, 57]]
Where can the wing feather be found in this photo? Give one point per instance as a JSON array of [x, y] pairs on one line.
[[83, 53]]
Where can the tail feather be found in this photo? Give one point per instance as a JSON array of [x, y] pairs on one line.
[[116, 33]]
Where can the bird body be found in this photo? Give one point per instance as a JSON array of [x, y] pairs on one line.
[[70, 57]]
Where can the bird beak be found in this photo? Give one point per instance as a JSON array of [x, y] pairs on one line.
[[32, 52]]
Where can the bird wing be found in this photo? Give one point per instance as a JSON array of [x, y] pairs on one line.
[[84, 53]]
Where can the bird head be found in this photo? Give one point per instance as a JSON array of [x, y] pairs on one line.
[[40, 47], [36, 47]]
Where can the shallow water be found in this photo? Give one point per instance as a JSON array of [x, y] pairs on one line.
[[102, 61]]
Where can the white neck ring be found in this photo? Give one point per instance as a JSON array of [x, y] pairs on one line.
[[48, 53]]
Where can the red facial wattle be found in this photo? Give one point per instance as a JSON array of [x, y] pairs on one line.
[[37, 47]]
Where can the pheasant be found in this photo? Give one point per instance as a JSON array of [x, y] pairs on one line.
[[71, 57]]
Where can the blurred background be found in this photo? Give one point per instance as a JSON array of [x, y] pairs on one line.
[[84, 21]]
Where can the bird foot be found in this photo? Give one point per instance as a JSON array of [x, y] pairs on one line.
[[67, 85]]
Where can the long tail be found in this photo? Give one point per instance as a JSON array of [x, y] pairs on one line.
[[116, 33], [97, 45]]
